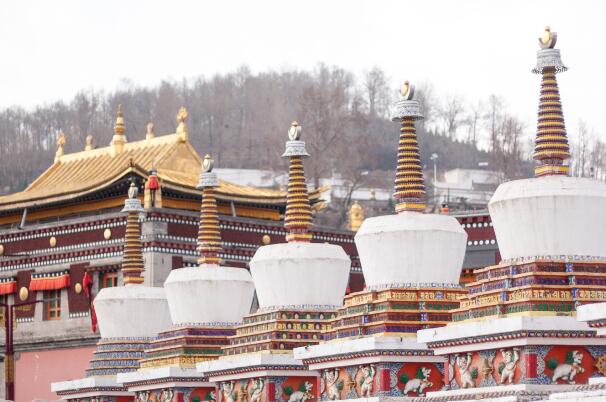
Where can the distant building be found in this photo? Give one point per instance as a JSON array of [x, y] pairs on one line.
[[466, 188]]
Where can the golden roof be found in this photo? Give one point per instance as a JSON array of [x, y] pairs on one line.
[[176, 161]]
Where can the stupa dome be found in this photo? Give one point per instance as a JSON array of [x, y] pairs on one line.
[[411, 248], [131, 311], [548, 216], [209, 293], [299, 273]]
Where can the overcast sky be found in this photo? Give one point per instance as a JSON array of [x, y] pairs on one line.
[[52, 49]]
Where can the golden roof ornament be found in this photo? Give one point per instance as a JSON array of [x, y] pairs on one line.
[[294, 132], [89, 142], [60, 146], [182, 130], [150, 131], [355, 216], [119, 139]]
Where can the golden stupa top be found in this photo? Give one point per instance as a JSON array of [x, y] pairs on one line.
[[176, 161]]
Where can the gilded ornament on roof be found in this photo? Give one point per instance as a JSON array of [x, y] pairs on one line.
[[407, 91], [89, 142]]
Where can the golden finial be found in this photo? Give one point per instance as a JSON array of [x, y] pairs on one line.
[[89, 142], [548, 39], [182, 131], [356, 216], [207, 164], [119, 139], [60, 145], [133, 191], [119, 126], [150, 131], [294, 132]]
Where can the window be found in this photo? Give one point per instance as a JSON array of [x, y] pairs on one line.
[[52, 307], [109, 280]]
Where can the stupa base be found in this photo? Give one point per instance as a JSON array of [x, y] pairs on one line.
[[374, 368], [168, 384], [262, 377], [522, 353]]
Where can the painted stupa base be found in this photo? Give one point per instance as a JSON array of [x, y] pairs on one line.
[[262, 377], [374, 368], [520, 355], [112, 356], [398, 310], [280, 329], [168, 384], [550, 285], [184, 346]]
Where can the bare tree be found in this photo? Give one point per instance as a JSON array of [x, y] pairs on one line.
[[377, 92], [451, 114]]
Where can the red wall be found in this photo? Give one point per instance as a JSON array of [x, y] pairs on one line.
[[35, 371]]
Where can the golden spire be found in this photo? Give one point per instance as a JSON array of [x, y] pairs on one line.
[[132, 260], [298, 218], [355, 216], [150, 131], [60, 146], [182, 130], [89, 142], [209, 233], [119, 139], [551, 144], [409, 184]]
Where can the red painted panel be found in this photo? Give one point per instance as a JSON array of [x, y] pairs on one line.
[[35, 371]]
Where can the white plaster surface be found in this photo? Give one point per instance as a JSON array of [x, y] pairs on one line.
[[298, 274], [592, 312], [159, 373], [209, 294], [499, 326], [411, 247], [247, 360], [365, 344], [579, 396], [538, 388], [553, 215], [84, 383], [131, 311]]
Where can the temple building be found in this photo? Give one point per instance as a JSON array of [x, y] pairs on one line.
[[130, 316], [67, 224], [516, 333], [412, 263], [299, 285]]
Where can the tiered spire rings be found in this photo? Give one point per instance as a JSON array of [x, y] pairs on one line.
[[551, 147], [132, 262], [409, 184], [298, 220], [209, 234]]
